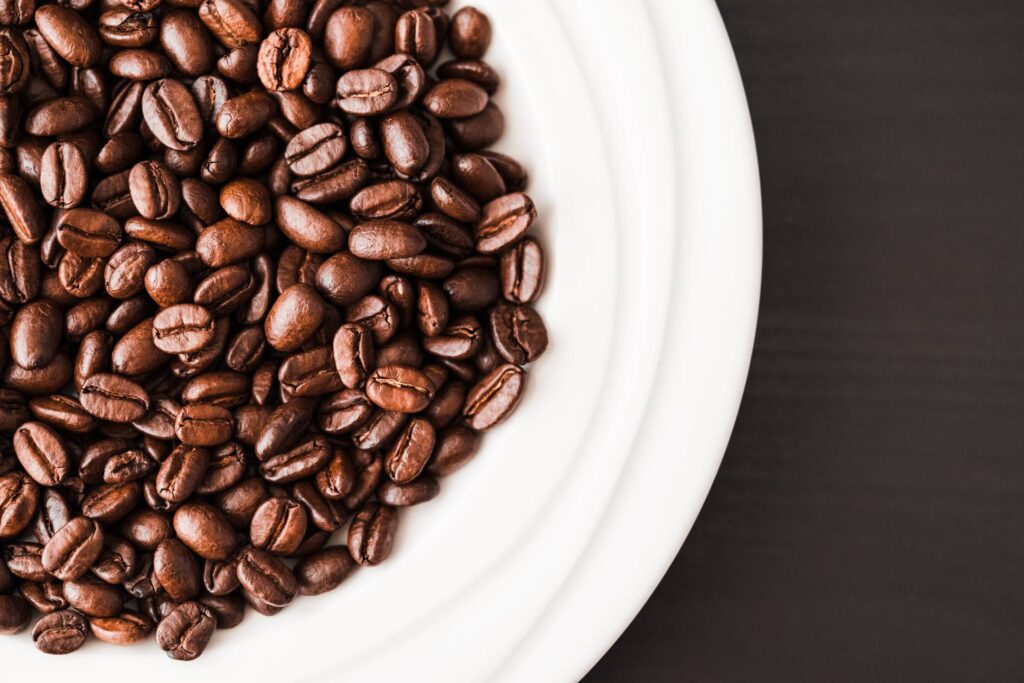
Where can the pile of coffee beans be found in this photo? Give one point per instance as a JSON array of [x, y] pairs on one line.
[[261, 285]]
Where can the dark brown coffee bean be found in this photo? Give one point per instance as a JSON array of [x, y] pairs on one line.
[[181, 473], [123, 629], [399, 389], [204, 425], [205, 530], [470, 33], [45, 598], [284, 427], [333, 185], [284, 59], [124, 275], [348, 37], [111, 502], [19, 496], [167, 283], [232, 22], [89, 233], [114, 398], [46, 380], [455, 98], [63, 175], [325, 514], [135, 353], [494, 397], [325, 570], [24, 561], [472, 289], [522, 272], [294, 318], [372, 534], [353, 353], [14, 614], [345, 279], [424, 489], [410, 452], [220, 577], [177, 570], [518, 332], [416, 35], [404, 142], [298, 463], [155, 190], [172, 115], [128, 465], [228, 242], [383, 239], [186, 631], [367, 92], [244, 114], [62, 632], [42, 453], [344, 411], [246, 201], [268, 583], [22, 208], [73, 550], [36, 334], [54, 513], [456, 446], [94, 599], [69, 34], [183, 328], [307, 227], [278, 526]]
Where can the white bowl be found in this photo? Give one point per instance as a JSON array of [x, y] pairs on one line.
[[632, 120]]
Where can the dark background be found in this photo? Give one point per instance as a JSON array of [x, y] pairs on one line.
[[868, 520]]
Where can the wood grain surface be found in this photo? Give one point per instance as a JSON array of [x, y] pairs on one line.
[[868, 520]]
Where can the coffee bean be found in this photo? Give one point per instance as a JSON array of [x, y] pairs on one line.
[[348, 37], [518, 332], [244, 114], [63, 175], [494, 397], [205, 530], [73, 550], [202, 424], [155, 190], [60, 633], [325, 570], [183, 328], [470, 33], [228, 242], [172, 115], [176, 570], [94, 599], [399, 389], [14, 614], [181, 473], [308, 227], [22, 209], [385, 239], [372, 534], [114, 398], [42, 453], [404, 142], [111, 502], [268, 583], [410, 452], [416, 35], [294, 318], [284, 59], [123, 629], [367, 92], [278, 526], [247, 201], [420, 491], [186, 631], [297, 463], [36, 334]]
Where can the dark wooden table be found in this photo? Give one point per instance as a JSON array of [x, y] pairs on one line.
[[868, 521]]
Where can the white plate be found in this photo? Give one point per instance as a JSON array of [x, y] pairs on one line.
[[632, 120]]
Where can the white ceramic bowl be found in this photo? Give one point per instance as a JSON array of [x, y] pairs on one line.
[[632, 119]]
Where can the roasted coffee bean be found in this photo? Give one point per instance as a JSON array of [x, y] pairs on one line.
[[344, 411], [94, 599], [404, 142], [114, 398], [172, 115], [416, 35], [155, 190], [63, 175], [348, 37], [494, 397], [284, 59], [268, 583], [294, 318], [73, 549], [42, 453], [399, 389], [227, 467], [111, 502], [14, 614], [518, 333], [385, 239], [367, 92], [338, 478], [372, 534], [205, 530], [122, 629], [62, 632], [124, 275], [307, 227], [24, 561], [298, 463], [324, 570], [522, 272], [411, 451], [54, 513], [36, 334], [186, 631], [167, 283], [278, 526], [202, 424], [244, 114], [23, 210], [247, 201], [345, 279], [228, 242], [419, 491], [181, 473], [183, 328], [470, 33], [177, 570]]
